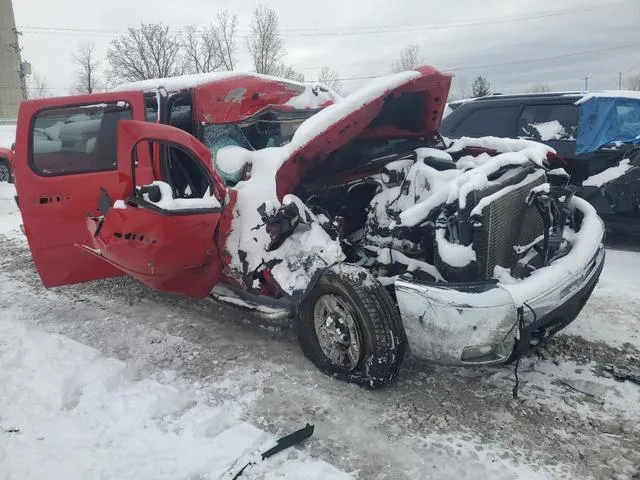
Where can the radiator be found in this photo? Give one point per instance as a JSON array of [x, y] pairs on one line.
[[506, 222]]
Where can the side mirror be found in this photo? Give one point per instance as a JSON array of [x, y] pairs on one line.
[[153, 192]]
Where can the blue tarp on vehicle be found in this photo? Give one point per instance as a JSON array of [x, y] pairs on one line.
[[606, 120]]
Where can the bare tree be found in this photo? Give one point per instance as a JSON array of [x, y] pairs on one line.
[[150, 51], [330, 77], [214, 47], [225, 31], [481, 87], [539, 88], [286, 71], [409, 58], [201, 50], [460, 89], [86, 79], [633, 82], [37, 86], [264, 43]]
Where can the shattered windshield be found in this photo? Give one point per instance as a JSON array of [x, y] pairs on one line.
[[608, 121]]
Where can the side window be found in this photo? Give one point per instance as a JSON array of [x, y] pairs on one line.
[[549, 122], [493, 121], [77, 139]]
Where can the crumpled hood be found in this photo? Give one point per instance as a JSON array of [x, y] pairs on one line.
[[406, 104]]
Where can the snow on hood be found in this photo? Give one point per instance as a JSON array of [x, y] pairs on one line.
[[7, 136], [266, 173]]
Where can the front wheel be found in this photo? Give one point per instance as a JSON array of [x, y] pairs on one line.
[[350, 329]]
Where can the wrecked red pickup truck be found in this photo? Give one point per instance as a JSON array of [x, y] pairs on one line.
[[348, 216]]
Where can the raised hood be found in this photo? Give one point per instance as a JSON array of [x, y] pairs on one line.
[[404, 105]]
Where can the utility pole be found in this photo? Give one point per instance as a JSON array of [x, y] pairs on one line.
[[620, 81], [586, 82], [12, 81]]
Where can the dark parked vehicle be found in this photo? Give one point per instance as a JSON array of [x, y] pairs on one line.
[[596, 133], [7, 138]]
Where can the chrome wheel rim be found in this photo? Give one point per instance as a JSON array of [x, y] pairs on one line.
[[337, 331], [5, 176]]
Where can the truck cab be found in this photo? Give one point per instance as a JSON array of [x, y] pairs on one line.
[[75, 155]]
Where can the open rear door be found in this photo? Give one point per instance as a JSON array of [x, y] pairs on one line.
[[164, 232], [66, 153]]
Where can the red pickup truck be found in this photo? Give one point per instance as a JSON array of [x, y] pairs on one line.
[[349, 217]]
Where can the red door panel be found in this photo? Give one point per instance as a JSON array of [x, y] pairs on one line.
[[169, 252], [65, 154]]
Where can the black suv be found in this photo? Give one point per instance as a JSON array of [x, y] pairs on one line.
[[596, 133]]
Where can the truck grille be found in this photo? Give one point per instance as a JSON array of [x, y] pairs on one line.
[[507, 222]]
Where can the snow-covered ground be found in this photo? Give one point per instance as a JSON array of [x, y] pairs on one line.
[[7, 135], [112, 380]]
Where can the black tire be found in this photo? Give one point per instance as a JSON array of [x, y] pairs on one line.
[[5, 171], [381, 334]]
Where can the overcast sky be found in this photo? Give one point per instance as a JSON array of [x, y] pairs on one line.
[[508, 41]]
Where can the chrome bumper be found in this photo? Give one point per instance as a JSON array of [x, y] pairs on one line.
[[472, 324]]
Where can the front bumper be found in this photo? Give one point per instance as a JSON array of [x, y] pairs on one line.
[[472, 324]]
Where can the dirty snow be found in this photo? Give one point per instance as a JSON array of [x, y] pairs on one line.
[[156, 352], [10, 218], [608, 175], [552, 130], [7, 135], [82, 415], [603, 318]]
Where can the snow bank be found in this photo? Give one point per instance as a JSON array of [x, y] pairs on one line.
[[84, 416], [7, 135], [10, 218], [608, 175], [611, 314]]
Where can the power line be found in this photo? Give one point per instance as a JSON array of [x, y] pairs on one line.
[[480, 67], [362, 30], [630, 69]]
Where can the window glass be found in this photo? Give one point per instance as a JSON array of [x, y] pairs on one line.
[[77, 139], [494, 121], [548, 122]]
